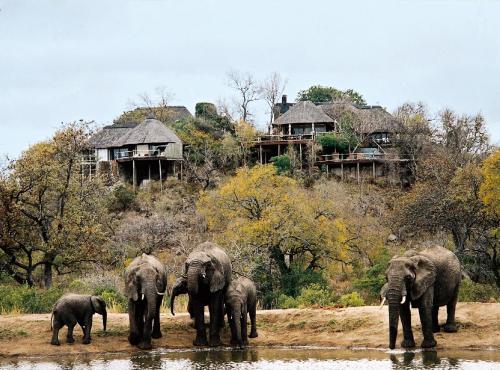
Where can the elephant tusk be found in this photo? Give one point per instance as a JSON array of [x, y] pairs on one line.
[[157, 292], [142, 297], [382, 304], [403, 300]]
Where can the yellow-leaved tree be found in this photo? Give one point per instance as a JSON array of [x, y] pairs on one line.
[[490, 188], [271, 225]]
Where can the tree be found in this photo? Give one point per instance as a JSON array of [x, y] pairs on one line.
[[267, 219], [51, 217], [490, 188], [323, 94], [415, 134], [246, 134], [247, 89], [271, 89]]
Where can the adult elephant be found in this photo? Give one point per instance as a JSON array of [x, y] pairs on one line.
[[145, 285], [428, 280], [208, 274]]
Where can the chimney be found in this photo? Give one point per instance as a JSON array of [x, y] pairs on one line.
[[283, 99]]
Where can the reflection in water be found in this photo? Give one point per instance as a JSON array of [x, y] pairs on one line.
[[264, 359]]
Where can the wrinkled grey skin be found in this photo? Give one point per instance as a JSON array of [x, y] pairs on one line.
[[180, 287], [208, 274], [428, 279], [145, 285], [241, 300], [72, 309]]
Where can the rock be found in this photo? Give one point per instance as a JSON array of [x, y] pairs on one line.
[[392, 238]]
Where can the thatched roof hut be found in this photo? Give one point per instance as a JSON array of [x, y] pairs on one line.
[[149, 131], [303, 112]]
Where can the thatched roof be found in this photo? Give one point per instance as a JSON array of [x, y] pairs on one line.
[[149, 131], [303, 112], [368, 118]]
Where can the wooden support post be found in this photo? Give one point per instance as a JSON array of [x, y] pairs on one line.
[[149, 171], [134, 175], [357, 171], [279, 149], [342, 170], [161, 177], [289, 129], [300, 151], [260, 153], [373, 170], [312, 129], [182, 166], [327, 169]]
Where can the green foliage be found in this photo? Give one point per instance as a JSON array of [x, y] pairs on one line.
[[351, 300], [282, 163], [475, 292], [330, 142], [27, 300], [315, 294], [206, 110], [320, 94], [293, 280], [374, 278], [121, 199], [113, 298]]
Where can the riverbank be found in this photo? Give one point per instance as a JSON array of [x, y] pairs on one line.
[[479, 326]]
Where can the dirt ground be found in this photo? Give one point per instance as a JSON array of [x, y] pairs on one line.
[[479, 328]]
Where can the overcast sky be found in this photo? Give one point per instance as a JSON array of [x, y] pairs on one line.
[[68, 60]]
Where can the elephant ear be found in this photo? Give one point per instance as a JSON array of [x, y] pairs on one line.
[[218, 280], [425, 275], [130, 288], [98, 304]]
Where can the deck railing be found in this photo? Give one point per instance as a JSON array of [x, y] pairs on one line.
[[340, 157], [292, 137]]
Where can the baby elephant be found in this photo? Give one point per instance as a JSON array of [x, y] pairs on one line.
[[240, 299], [76, 308]]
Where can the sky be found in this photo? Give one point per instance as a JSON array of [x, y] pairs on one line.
[[62, 60]]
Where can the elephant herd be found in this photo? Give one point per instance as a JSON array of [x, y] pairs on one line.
[[425, 280]]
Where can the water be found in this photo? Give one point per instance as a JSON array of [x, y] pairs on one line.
[[266, 358]]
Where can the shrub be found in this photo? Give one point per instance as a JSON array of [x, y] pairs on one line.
[[314, 295], [24, 299], [285, 301], [351, 300], [115, 301], [282, 163], [475, 292], [330, 142], [121, 199], [296, 278]]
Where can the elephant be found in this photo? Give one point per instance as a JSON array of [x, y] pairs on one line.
[[240, 300], [71, 309], [145, 286], [208, 273], [180, 287], [429, 279]]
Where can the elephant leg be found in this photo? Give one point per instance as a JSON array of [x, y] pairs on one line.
[[253, 323], [214, 307], [156, 322], [425, 313], [244, 329], [451, 325], [221, 317], [405, 315], [135, 333], [435, 320], [88, 328], [199, 323], [69, 336], [56, 326]]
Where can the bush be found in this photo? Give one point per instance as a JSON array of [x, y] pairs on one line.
[[295, 279], [24, 299], [115, 301], [282, 163], [285, 301], [351, 300], [121, 199], [314, 295], [330, 142], [475, 292]]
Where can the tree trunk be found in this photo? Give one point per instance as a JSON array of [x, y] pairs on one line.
[[47, 275]]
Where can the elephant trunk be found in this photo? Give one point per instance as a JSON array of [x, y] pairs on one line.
[[104, 319], [172, 299], [237, 326], [193, 274], [393, 323]]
